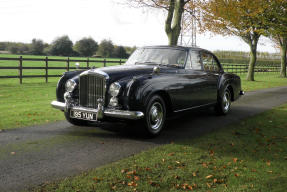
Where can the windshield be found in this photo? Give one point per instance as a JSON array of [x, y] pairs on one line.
[[158, 56]]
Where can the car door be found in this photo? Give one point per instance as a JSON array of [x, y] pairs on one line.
[[197, 84], [187, 92], [211, 74]]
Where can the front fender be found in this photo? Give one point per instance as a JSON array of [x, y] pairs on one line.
[[61, 84], [139, 91]]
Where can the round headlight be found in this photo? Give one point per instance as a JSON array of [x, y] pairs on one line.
[[70, 85], [115, 89], [114, 102]]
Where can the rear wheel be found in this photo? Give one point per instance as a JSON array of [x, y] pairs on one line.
[[155, 115], [224, 102], [73, 121]]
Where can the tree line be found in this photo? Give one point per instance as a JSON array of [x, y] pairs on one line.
[[247, 19], [64, 46]]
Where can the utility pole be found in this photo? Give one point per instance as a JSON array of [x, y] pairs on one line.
[[188, 29]]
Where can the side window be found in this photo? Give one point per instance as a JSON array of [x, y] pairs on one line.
[[209, 63], [195, 60], [216, 65], [188, 62]]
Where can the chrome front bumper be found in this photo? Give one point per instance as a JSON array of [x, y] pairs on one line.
[[121, 114]]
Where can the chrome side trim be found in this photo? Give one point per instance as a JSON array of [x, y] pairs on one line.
[[208, 104], [121, 114]]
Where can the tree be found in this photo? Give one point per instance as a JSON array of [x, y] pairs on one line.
[[120, 52], [62, 46], [17, 48], [244, 18], [37, 47], [106, 48], [130, 50], [277, 31], [3, 46], [175, 10], [86, 47]]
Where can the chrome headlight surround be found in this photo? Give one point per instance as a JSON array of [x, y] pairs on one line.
[[114, 102], [70, 85], [114, 89]]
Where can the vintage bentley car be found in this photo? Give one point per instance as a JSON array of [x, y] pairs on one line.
[[154, 83]]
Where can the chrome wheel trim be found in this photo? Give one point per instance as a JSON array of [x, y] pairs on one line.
[[156, 115], [226, 101]]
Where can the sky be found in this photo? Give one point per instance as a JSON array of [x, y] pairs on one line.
[[23, 20]]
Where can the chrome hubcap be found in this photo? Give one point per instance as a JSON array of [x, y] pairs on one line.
[[226, 101], [156, 115]]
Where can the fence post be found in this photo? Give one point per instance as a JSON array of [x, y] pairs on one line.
[[104, 62], [46, 70], [120, 61], [20, 69], [88, 63], [68, 64]]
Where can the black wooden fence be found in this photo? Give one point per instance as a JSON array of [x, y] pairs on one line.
[[243, 68], [46, 67], [228, 67]]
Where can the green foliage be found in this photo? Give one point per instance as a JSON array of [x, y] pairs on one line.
[[120, 52], [130, 50], [37, 47], [239, 57], [18, 48], [62, 46], [106, 48], [3, 46], [86, 47]]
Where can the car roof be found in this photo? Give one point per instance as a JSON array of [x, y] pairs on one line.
[[176, 47]]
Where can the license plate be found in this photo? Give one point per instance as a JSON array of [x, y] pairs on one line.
[[83, 115]]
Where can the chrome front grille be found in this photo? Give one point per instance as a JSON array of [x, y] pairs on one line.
[[92, 88]]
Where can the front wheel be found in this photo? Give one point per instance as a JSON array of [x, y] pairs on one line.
[[224, 102], [155, 115]]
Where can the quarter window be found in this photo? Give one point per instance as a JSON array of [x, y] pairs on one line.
[[209, 63]]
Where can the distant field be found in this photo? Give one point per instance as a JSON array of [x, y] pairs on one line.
[[14, 72]]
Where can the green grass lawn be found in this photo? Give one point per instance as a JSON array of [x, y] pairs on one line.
[[249, 156], [27, 104], [262, 81]]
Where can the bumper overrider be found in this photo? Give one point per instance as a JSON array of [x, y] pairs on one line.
[[121, 114]]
